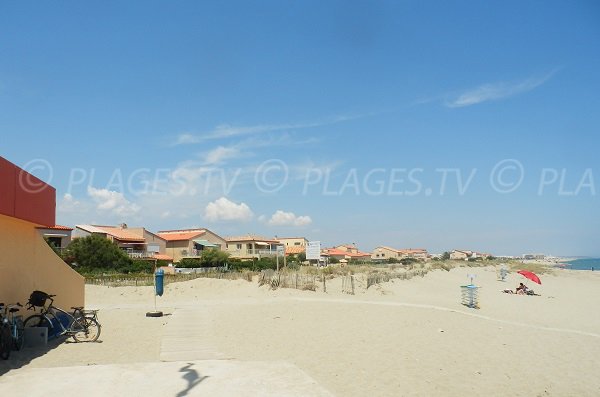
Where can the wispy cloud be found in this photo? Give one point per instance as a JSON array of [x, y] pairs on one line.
[[224, 131], [496, 91], [222, 154]]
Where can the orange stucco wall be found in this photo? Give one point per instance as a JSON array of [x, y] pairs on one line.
[[27, 263]]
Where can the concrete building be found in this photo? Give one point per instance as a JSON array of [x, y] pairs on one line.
[[346, 252], [190, 243], [464, 255], [137, 242], [253, 246], [28, 263], [59, 236], [294, 245], [383, 253]]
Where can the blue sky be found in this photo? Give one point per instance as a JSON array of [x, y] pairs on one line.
[[409, 124]]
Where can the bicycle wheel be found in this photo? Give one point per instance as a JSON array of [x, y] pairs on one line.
[[5, 341], [85, 329], [20, 328], [37, 320]]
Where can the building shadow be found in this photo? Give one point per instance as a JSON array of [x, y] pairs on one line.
[[192, 377], [20, 358]]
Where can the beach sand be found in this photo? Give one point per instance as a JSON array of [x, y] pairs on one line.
[[400, 338]]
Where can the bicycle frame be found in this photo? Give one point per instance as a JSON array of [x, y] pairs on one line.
[[52, 312]]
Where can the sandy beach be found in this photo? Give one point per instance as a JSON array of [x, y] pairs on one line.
[[399, 338]]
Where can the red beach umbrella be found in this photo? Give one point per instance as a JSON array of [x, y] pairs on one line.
[[530, 275]]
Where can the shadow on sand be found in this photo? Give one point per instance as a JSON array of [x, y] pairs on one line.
[[192, 377]]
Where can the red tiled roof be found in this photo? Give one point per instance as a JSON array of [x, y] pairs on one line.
[[337, 252], [121, 234], [296, 249], [56, 227], [162, 257], [405, 250], [180, 235]]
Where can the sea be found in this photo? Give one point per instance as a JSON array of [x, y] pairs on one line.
[[584, 264]]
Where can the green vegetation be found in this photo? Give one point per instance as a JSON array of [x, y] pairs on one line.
[[255, 264], [209, 258], [95, 253]]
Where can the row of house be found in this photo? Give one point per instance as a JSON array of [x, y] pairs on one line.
[[464, 255], [175, 245]]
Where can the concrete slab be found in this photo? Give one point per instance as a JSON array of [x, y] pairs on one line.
[[184, 337], [166, 379]]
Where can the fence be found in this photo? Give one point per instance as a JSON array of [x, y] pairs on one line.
[[282, 279], [348, 284], [286, 279], [147, 280], [382, 277]]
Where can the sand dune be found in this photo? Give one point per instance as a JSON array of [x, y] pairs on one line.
[[400, 338]]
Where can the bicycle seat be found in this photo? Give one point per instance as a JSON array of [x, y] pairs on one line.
[[77, 307], [14, 309]]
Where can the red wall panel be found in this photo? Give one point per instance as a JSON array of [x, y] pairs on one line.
[[30, 198], [8, 173]]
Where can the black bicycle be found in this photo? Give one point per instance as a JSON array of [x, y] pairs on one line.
[[83, 325], [5, 339], [15, 324]]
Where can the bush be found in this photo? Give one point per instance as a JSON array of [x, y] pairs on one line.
[[209, 258], [255, 264], [94, 252]]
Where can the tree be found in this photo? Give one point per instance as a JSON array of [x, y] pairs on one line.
[[214, 258], [96, 253], [446, 256]]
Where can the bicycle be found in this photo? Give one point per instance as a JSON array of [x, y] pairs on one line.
[[83, 325], [5, 339], [15, 324]]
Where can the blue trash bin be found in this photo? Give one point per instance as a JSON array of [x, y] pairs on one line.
[[159, 277]]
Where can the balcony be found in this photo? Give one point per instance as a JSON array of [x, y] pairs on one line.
[[133, 254], [251, 253]]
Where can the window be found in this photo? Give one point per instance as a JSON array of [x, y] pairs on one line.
[[249, 246], [238, 246], [297, 243]]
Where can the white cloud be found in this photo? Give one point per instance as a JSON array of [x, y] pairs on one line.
[[111, 201], [68, 204], [226, 210], [282, 218], [496, 91]]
